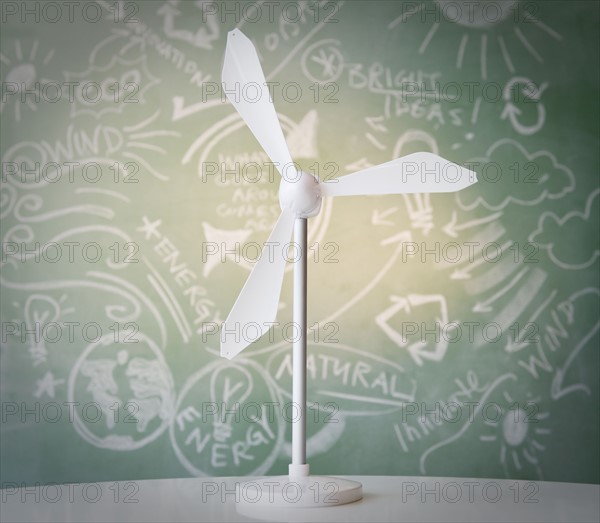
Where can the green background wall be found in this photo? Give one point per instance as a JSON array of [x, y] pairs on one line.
[[107, 217]]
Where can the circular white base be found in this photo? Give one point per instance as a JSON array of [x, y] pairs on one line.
[[296, 492]]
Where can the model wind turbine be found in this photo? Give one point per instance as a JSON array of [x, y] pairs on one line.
[[300, 197]]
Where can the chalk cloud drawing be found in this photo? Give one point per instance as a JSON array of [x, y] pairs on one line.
[[130, 387], [216, 428], [523, 178], [554, 234]]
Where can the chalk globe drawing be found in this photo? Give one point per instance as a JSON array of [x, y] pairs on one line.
[[124, 392]]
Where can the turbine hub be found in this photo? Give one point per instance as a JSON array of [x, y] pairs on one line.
[[301, 193]]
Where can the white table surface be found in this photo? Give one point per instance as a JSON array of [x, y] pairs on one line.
[[386, 498]]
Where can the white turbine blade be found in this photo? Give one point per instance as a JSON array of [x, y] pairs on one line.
[[415, 173], [258, 302], [246, 88]]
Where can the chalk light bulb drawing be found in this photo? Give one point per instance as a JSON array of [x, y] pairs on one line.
[[300, 196]]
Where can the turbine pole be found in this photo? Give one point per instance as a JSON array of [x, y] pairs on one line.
[[299, 466]]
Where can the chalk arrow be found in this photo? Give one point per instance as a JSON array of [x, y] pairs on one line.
[[485, 306], [400, 304], [378, 217], [512, 112], [557, 390], [452, 228], [418, 353], [417, 350], [518, 343], [180, 110], [375, 123], [465, 272], [398, 239]]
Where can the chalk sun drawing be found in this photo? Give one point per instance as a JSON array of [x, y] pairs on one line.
[[519, 431], [484, 23], [23, 73]]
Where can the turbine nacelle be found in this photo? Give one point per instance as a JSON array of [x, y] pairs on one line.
[[301, 194]]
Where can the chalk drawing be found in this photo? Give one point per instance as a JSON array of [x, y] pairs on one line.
[[323, 61], [416, 349], [553, 234], [40, 310], [46, 386], [132, 390], [477, 18], [518, 428], [557, 330], [205, 35], [234, 433], [525, 178], [452, 228], [122, 83], [228, 241], [420, 210], [359, 382], [526, 92], [23, 75], [467, 425]]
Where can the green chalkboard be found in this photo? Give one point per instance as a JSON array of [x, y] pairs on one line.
[[451, 334]]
